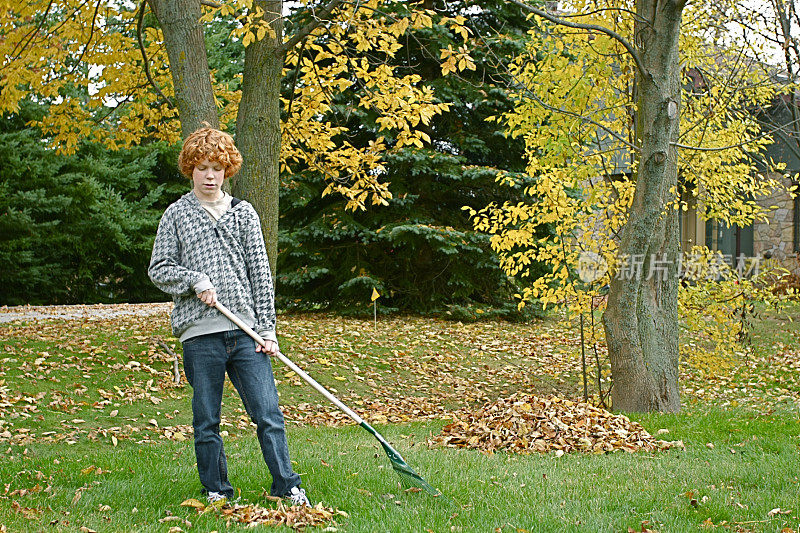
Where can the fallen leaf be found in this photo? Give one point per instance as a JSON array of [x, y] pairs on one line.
[[525, 423], [294, 517], [191, 502]]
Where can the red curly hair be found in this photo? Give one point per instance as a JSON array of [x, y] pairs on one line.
[[212, 144]]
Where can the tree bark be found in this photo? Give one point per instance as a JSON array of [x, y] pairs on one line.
[[258, 123], [188, 62], [641, 318], [258, 126]]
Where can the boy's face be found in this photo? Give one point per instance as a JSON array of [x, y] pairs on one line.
[[208, 177]]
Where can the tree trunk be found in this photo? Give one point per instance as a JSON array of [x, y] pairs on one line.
[[188, 62], [258, 126], [641, 319]]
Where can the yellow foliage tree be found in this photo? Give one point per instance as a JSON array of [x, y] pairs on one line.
[[615, 102], [114, 74]]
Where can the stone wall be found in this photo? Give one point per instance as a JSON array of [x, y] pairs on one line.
[[776, 238]]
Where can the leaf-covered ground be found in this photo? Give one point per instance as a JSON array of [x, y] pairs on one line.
[[111, 377], [74, 390], [94, 378]]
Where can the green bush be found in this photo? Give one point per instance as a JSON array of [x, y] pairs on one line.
[[78, 228]]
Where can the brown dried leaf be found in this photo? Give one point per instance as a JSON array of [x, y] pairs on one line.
[[525, 423], [294, 517]]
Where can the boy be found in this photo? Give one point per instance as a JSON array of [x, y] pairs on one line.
[[209, 245]]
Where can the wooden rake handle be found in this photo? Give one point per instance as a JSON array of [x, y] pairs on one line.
[[286, 361]]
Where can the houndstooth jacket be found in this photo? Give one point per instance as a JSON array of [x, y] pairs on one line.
[[192, 253]]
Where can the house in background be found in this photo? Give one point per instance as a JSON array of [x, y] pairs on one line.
[[779, 237]]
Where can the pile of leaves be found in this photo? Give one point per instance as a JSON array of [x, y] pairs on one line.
[[524, 423], [294, 517], [786, 284]]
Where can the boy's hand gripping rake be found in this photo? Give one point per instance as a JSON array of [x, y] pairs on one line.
[[398, 463]]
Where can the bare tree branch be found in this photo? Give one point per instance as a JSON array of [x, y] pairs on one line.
[[790, 141], [584, 118], [499, 64], [635, 15], [634, 53], [294, 80], [140, 40], [111, 110], [89, 40], [777, 129], [175, 370], [728, 81], [14, 54]]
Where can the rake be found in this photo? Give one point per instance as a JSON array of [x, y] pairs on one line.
[[399, 465]]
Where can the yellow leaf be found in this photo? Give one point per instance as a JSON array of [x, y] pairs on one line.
[[191, 502]]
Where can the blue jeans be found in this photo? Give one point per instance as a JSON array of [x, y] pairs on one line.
[[206, 359]]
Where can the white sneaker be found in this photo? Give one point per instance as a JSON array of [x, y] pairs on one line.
[[215, 497], [298, 497]]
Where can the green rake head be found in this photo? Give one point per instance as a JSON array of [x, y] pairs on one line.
[[406, 473]]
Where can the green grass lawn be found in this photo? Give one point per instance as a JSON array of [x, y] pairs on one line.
[[94, 434]]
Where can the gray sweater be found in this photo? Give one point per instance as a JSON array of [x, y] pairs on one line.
[[192, 253]]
